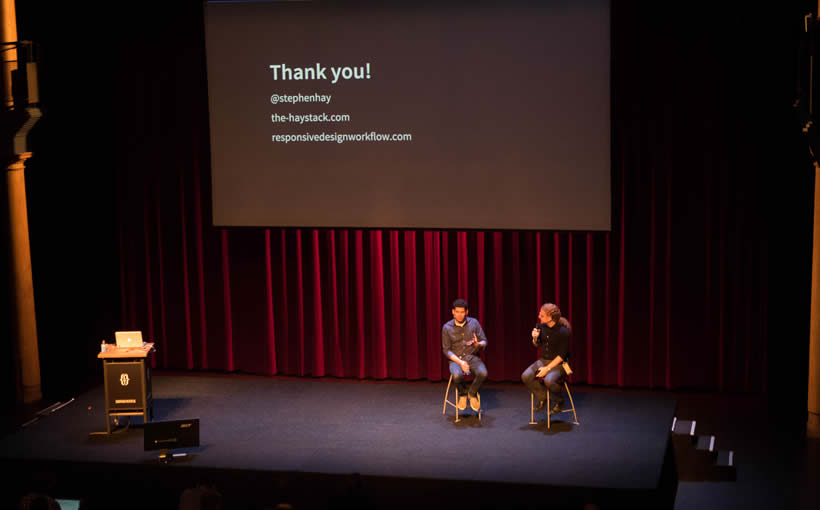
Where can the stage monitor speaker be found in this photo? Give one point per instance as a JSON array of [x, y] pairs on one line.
[[171, 435]]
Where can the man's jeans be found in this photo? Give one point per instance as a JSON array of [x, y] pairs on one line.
[[478, 370], [551, 381]]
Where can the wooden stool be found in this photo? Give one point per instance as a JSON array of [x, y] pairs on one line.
[[455, 404]]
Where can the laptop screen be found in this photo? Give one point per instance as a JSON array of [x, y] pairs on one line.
[[128, 338]]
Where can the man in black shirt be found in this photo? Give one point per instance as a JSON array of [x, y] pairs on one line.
[[552, 335], [461, 339]]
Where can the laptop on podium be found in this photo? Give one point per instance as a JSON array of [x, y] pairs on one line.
[[128, 339]]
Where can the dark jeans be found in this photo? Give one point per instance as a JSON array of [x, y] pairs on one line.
[[478, 370], [552, 381]]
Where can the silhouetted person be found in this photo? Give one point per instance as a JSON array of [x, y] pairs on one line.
[[37, 501], [202, 497]]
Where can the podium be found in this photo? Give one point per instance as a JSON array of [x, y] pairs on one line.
[[127, 377]]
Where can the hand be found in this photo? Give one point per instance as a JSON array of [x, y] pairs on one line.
[[542, 372], [535, 333], [465, 367], [473, 340]]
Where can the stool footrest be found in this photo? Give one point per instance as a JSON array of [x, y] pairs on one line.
[[454, 404], [547, 406]]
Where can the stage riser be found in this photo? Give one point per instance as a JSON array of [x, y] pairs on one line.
[[257, 434]]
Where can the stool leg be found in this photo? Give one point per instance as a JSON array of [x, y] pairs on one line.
[[571, 403], [457, 418], [447, 395]]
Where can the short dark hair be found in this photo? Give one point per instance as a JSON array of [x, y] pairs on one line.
[[460, 303]]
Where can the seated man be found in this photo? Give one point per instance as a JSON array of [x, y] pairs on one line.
[[461, 339], [552, 335]]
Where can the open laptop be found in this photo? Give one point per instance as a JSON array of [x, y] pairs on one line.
[[128, 338]]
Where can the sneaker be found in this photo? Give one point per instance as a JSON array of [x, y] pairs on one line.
[[540, 405], [462, 402], [475, 402]]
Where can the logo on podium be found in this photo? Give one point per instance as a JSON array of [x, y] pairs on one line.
[[127, 385]]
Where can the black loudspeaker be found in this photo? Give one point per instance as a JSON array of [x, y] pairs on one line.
[[171, 435]]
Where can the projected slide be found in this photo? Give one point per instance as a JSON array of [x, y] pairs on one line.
[[430, 116]]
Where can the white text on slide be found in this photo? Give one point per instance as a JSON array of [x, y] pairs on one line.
[[342, 137], [308, 118], [281, 72]]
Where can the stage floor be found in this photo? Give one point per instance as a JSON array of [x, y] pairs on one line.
[[375, 429]]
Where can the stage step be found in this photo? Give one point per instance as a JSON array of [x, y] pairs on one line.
[[705, 443], [683, 427], [726, 470], [697, 455]]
